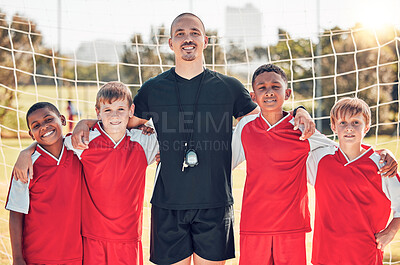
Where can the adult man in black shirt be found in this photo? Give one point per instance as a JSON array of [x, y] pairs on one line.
[[192, 109]]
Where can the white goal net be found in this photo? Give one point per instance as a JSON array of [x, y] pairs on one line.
[[322, 68]]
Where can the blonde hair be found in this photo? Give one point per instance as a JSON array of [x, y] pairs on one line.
[[112, 91], [352, 107]]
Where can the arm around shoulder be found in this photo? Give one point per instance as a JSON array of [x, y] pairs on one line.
[[318, 140], [68, 144], [303, 117], [23, 168], [135, 122], [80, 135], [388, 160]]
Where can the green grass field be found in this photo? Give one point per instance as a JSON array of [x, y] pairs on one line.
[[9, 149]]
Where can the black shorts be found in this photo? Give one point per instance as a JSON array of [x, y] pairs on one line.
[[177, 234]]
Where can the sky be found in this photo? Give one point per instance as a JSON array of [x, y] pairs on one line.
[[89, 20]]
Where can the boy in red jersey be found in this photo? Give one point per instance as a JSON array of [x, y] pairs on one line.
[[51, 200], [112, 195], [353, 202], [115, 165], [275, 215]]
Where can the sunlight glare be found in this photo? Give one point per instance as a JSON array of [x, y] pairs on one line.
[[377, 15]]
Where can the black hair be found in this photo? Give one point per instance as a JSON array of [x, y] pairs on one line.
[[41, 105], [186, 14], [269, 68]]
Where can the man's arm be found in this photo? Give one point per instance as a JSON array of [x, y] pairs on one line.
[[23, 167], [254, 111], [135, 122], [16, 227]]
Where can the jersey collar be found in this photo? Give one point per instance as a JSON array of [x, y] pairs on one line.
[[286, 115], [44, 152], [367, 153], [102, 131]]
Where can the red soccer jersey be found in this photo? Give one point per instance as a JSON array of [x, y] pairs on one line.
[[51, 203], [353, 203], [112, 196], [275, 194]]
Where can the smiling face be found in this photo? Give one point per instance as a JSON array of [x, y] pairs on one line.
[[270, 91], [350, 129], [188, 38], [45, 126], [114, 116]]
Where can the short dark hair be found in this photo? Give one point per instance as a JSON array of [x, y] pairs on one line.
[[269, 68], [41, 105], [186, 14]]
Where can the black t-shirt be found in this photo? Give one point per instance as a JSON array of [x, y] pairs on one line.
[[208, 184]]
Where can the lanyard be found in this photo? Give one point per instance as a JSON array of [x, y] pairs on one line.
[[190, 135]]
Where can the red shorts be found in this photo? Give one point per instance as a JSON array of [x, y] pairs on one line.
[[105, 252], [69, 263], [284, 249]]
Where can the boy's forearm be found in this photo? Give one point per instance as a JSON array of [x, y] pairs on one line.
[[23, 166], [16, 223], [89, 122], [394, 226], [30, 149]]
